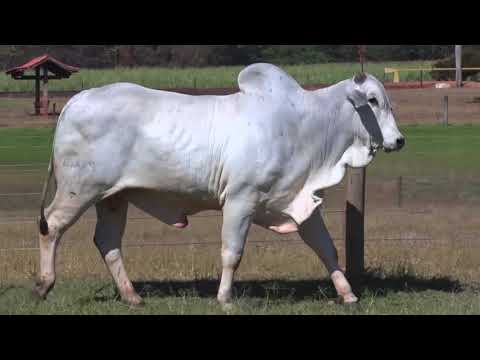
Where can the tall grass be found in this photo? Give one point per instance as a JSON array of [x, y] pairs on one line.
[[218, 77]]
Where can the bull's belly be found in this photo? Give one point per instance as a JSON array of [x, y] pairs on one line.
[[171, 208], [174, 210]]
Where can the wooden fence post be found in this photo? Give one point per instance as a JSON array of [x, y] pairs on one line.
[[44, 101], [458, 65], [37, 91], [355, 227]]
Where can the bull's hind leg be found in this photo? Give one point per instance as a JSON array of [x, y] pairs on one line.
[[61, 215], [111, 221], [316, 236]]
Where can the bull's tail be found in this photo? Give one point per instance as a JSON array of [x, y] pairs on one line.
[[43, 224]]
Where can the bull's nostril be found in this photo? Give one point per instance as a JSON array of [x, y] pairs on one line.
[[401, 143]]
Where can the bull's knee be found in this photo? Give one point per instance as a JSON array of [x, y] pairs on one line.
[[113, 257], [231, 258]]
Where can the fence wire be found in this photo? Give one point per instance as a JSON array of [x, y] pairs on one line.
[[32, 169], [445, 244]]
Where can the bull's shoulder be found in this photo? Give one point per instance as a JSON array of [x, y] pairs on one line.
[[266, 79]]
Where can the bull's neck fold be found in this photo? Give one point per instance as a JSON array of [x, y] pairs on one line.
[[327, 124]]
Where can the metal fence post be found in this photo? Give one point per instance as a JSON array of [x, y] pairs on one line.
[[355, 226]]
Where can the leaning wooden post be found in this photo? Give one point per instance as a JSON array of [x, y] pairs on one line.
[[37, 91], [45, 102], [355, 226]]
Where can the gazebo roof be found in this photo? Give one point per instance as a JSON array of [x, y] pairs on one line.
[[56, 67]]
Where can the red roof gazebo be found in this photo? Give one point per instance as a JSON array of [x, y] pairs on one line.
[[46, 68]]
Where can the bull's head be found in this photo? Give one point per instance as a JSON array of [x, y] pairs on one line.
[[375, 123]]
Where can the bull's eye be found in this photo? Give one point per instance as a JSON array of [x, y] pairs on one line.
[[373, 101]]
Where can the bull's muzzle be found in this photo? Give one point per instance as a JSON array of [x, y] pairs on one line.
[[399, 145]]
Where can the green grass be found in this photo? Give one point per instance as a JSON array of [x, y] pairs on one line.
[[431, 150], [9, 104], [25, 146], [398, 296], [206, 77]]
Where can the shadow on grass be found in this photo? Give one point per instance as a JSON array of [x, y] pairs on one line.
[[374, 284], [298, 290]]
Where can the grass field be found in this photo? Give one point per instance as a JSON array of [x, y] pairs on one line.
[[218, 77], [431, 150], [436, 276], [93, 297], [272, 279]]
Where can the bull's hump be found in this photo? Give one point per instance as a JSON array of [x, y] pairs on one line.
[[267, 79]]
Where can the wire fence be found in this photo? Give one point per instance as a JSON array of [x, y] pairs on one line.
[[20, 191], [26, 227]]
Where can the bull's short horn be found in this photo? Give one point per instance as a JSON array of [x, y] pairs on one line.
[[360, 78]]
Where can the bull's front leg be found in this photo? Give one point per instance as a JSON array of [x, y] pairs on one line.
[[316, 236], [237, 219]]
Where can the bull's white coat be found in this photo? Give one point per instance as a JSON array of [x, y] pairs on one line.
[[262, 155]]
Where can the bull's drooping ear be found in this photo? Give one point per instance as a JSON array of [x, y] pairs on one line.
[[355, 94]]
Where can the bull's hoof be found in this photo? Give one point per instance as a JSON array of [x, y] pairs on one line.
[[39, 294], [349, 299], [134, 301], [227, 308], [41, 290]]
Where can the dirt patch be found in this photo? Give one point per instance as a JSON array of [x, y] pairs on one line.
[[17, 112], [430, 85], [426, 106], [413, 105]]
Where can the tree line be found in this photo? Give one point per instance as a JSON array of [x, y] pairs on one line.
[[108, 56]]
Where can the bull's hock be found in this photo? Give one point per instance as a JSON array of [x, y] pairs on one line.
[[262, 156]]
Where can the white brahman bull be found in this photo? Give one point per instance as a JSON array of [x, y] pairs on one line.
[[262, 156]]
